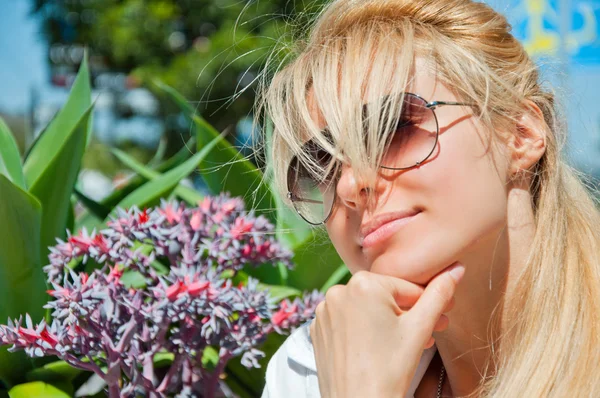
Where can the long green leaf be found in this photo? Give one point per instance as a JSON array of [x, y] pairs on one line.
[[98, 209], [53, 138], [36, 389], [137, 181], [22, 281], [54, 186], [186, 193], [150, 193], [54, 371], [339, 276], [290, 229], [278, 293], [10, 160], [225, 169], [316, 260]]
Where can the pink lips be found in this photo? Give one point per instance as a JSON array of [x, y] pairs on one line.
[[382, 228]]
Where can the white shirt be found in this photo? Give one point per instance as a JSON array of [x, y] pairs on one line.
[[292, 371]]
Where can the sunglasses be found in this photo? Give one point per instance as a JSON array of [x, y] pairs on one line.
[[412, 142]]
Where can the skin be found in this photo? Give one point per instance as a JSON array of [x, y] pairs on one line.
[[472, 214]]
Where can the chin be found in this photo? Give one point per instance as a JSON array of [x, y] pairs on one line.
[[416, 265]]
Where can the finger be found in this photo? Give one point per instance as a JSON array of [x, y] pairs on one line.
[[450, 305], [448, 308], [405, 293], [429, 343], [436, 297], [441, 324]]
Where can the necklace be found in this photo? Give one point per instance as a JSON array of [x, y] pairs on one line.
[[441, 382]]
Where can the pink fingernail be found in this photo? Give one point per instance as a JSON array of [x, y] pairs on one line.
[[457, 272]]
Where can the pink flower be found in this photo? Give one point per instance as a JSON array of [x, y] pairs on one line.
[[115, 274], [101, 243], [81, 242], [240, 227], [143, 217], [172, 215], [196, 220], [280, 316], [175, 290], [49, 337], [198, 287], [28, 335]]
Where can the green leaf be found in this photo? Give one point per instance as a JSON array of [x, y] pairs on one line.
[[22, 281], [133, 279], [56, 134], [210, 358], [339, 276], [36, 389], [188, 194], [58, 370], [278, 293], [54, 185], [97, 209], [315, 261], [137, 181], [163, 359], [10, 159], [70, 224], [225, 169], [88, 221], [150, 193]]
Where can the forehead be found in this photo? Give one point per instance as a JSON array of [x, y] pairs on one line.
[[423, 82]]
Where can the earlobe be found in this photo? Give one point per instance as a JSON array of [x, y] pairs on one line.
[[528, 143]]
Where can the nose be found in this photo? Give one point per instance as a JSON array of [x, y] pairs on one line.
[[353, 192]]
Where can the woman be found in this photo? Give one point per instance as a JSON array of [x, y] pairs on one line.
[[417, 132]]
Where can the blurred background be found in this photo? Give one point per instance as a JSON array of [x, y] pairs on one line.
[[211, 51]]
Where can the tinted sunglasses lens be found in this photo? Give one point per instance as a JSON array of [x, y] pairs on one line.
[[312, 196], [415, 136]]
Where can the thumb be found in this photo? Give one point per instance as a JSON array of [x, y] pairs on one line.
[[436, 297]]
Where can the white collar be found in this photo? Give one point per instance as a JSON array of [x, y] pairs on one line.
[[300, 350]]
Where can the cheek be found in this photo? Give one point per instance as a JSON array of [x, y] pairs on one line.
[[464, 198], [466, 184]]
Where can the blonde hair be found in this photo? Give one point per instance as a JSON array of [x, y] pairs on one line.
[[358, 49]]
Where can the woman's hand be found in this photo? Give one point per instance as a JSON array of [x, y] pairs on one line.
[[369, 335]]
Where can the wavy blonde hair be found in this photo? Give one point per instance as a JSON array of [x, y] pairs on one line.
[[357, 49]]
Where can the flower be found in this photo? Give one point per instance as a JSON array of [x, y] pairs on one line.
[[164, 286]]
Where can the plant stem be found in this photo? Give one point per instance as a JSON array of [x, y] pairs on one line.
[[213, 381]]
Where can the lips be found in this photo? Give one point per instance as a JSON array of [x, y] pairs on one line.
[[381, 220]]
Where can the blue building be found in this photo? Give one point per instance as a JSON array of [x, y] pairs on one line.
[[564, 37]]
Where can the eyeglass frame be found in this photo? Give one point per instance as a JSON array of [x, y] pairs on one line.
[[429, 105]]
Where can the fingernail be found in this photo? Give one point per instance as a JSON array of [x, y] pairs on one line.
[[457, 272]]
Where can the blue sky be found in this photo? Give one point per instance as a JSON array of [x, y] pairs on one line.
[[23, 65], [23, 60]]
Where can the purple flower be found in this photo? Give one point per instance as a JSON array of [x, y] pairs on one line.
[[164, 286]]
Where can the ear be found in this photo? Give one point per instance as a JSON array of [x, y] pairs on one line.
[[528, 143]]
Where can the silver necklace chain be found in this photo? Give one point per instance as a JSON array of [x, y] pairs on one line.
[[441, 382]]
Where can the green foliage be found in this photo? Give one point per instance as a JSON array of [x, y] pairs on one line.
[[202, 48], [50, 143], [10, 159], [37, 206], [37, 389], [22, 282], [150, 193], [225, 169]]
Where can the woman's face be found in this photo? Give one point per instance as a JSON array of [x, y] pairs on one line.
[[460, 190]]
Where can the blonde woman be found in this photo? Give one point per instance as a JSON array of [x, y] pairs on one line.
[[418, 133]]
